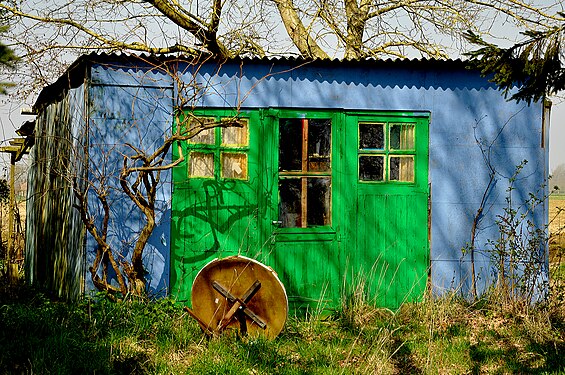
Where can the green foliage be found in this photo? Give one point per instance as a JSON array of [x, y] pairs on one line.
[[519, 252], [534, 65], [7, 59], [4, 191], [7, 56]]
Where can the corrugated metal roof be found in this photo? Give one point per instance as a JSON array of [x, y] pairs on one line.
[[100, 57], [78, 71]]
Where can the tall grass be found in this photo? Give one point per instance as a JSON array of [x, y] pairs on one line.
[[447, 335], [39, 335]]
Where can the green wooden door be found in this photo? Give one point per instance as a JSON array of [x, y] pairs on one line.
[[350, 205], [387, 211], [302, 217], [215, 201]]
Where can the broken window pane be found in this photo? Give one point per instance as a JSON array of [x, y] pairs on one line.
[[371, 136], [234, 135], [290, 211], [319, 201], [290, 145], [201, 165], [402, 168], [371, 168], [234, 165], [205, 136], [319, 145], [402, 137]]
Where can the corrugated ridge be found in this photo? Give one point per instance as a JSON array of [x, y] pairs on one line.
[[77, 71]]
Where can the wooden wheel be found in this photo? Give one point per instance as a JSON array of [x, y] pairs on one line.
[[239, 292]]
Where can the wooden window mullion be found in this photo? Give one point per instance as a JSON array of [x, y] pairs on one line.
[[304, 181]]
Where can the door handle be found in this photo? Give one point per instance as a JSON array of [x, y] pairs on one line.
[[276, 222]]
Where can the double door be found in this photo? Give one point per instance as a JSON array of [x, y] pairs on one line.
[[331, 200]]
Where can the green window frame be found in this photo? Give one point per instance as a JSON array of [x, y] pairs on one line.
[[305, 169], [386, 152], [219, 148]]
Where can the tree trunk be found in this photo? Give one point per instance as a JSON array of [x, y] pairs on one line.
[[299, 35], [356, 20]]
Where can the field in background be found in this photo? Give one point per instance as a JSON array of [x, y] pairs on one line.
[[557, 240], [557, 223]]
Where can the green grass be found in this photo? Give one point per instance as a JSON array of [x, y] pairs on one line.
[[40, 335]]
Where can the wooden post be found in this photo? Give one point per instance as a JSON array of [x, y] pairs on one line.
[[17, 148], [12, 266]]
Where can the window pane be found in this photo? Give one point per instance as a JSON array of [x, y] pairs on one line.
[[201, 165], [319, 145], [371, 168], [234, 165], [402, 137], [290, 209], [310, 196], [371, 136], [204, 136], [402, 168], [236, 136], [290, 145], [304, 148], [319, 201]]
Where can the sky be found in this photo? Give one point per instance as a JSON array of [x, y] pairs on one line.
[[557, 135], [10, 120]]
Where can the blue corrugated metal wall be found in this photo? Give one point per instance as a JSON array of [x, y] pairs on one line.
[[130, 106], [54, 231]]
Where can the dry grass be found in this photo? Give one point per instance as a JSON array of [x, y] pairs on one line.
[[19, 220], [437, 336], [557, 221], [557, 243]]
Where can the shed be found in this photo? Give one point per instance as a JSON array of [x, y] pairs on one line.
[[340, 175]]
